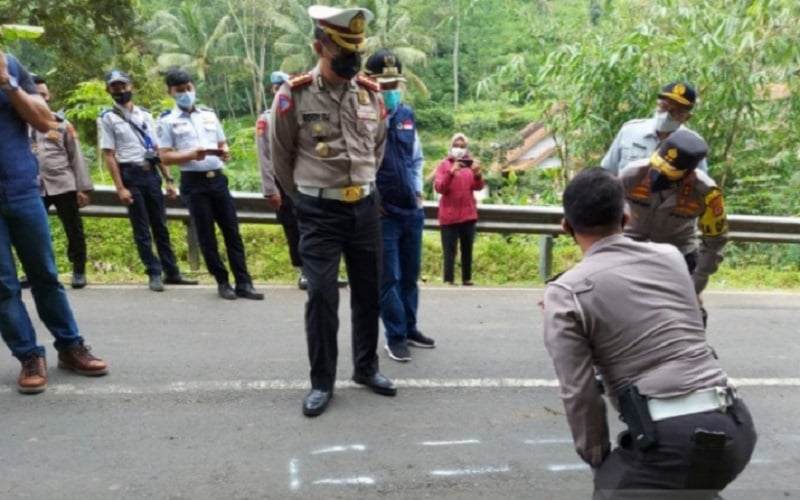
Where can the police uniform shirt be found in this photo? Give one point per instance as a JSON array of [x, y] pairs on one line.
[[182, 130], [636, 139], [324, 136], [62, 167], [264, 160], [118, 135], [672, 215], [629, 310]]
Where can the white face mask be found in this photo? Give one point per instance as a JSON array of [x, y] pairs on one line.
[[665, 122], [458, 153]]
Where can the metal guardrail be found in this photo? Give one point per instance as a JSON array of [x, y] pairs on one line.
[[511, 219]]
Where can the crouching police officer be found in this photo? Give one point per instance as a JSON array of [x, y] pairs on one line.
[[667, 196], [688, 429], [327, 134]]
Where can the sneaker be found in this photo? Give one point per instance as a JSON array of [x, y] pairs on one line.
[[33, 377], [398, 351], [78, 280], [417, 339], [81, 361], [156, 284]]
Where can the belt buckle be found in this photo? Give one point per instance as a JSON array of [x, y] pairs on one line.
[[724, 397], [351, 194], [210, 174]]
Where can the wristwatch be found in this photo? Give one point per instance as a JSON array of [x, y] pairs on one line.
[[9, 85]]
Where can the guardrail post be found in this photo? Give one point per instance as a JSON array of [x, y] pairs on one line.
[[193, 246], [545, 256]]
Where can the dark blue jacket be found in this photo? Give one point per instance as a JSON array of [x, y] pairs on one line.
[[19, 168], [395, 178]]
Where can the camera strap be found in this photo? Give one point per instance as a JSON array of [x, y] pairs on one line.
[[141, 133]]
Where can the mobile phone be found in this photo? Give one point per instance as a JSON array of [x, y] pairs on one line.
[[466, 162], [214, 152]]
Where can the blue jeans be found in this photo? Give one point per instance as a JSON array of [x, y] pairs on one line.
[[402, 253], [24, 225]]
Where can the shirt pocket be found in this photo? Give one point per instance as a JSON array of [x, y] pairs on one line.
[[631, 152]]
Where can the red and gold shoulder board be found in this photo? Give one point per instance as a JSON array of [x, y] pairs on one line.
[[300, 79], [368, 82]]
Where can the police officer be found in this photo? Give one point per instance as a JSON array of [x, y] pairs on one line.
[[688, 428], [276, 196], [64, 181], [128, 141], [327, 135], [667, 196], [638, 139], [399, 182], [192, 137]]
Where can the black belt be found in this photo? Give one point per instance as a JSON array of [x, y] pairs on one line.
[[207, 174], [144, 165]]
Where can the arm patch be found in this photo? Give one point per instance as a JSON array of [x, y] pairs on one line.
[[714, 220]]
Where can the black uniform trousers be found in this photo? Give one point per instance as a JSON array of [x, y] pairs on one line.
[[678, 467], [328, 230], [288, 221], [452, 235], [69, 212], [209, 200], [148, 212]]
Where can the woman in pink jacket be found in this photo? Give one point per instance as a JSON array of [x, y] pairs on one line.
[[457, 176]]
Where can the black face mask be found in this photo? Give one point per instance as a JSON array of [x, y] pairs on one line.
[[658, 181], [347, 65], [122, 97]]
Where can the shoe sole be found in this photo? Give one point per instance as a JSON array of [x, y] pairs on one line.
[[31, 390], [396, 358], [87, 373], [415, 343]]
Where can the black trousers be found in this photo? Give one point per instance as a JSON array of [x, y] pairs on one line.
[[462, 234], [288, 221], [328, 230], [677, 467], [68, 211], [148, 212], [209, 201]]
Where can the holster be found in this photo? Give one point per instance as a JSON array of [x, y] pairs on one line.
[[636, 415]]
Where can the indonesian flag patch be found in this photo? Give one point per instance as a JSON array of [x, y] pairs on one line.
[[408, 125]]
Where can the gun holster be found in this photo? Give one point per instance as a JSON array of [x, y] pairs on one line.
[[636, 415]]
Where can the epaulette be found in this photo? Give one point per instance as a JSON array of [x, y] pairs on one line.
[[635, 121], [368, 82], [300, 79], [165, 113], [554, 278]]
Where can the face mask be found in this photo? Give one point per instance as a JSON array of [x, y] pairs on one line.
[[185, 100], [122, 97], [458, 153], [391, 98], [659, 181], [665, 122], [346, 65]]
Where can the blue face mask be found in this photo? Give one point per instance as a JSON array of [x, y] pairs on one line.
[[391, 98], [185, 100]]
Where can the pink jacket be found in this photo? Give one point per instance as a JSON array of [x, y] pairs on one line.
[[457, 203]]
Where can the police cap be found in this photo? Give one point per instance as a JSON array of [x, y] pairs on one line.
[[385, 66], [116, 75], [345, 26], [681, 150], [680, 92]]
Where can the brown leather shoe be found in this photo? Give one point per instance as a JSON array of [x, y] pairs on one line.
[[33, 377], [80, 360]]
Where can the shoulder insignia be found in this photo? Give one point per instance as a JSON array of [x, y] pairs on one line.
[[368, 82], [165, 113], [300, 79]]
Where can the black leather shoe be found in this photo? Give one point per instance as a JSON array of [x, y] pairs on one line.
[[248, 292], [377, 382], [78, 280], [156, 284], [179, 280], [315, 402], [226, 292]]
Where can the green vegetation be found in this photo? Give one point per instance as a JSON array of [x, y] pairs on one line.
[[484, 67]]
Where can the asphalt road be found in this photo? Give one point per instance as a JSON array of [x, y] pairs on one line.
[[203, 402]]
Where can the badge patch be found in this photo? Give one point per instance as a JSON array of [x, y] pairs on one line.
[[285, 103], [261, 127], [714, 220], [408, 125]]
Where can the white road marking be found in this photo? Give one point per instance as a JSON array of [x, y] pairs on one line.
[[100, 388], [346, 481], [339, 449], [566, 467], [294, 474], [472, 471], [450, 443]]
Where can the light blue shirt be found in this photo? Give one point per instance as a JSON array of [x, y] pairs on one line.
[[181, 130]]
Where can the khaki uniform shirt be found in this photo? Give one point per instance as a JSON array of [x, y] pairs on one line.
[[62, 168], [326, 137], [182, 130], [606, 313], [636, 139], [672, 215], [118, 135], [264, 159]]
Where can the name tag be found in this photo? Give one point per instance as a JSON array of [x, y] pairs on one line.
[[367, 114]]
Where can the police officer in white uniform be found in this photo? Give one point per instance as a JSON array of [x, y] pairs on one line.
[[637, 139]]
